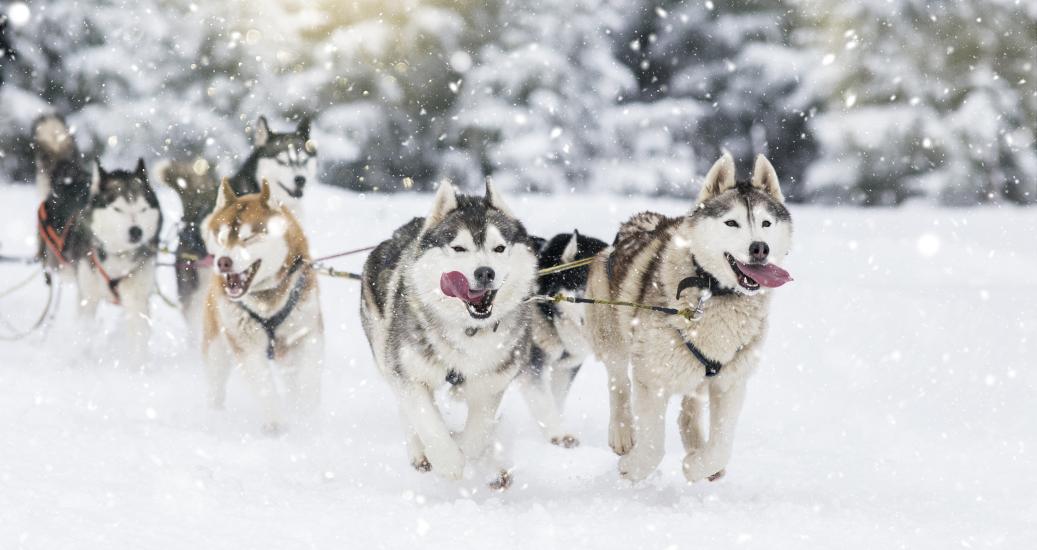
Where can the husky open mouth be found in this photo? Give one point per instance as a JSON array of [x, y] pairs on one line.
[[478, 302], [295, 193], [237, 284], [752, 276]]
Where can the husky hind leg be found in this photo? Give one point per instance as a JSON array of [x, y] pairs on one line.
[[561, 383], [543, 406]]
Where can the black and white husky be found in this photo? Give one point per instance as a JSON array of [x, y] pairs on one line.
[[107, 236], [444, 304], [288, 161], [720, 259], [560, 342]]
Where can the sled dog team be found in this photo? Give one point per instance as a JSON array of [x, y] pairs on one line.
[[447, 300]]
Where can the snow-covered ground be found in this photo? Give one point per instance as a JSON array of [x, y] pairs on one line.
[[896, 409]]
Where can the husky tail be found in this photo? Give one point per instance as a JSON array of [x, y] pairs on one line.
[[54, 145]]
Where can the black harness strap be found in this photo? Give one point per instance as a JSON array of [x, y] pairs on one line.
[[712, 367], [270, 324], [704, 280]]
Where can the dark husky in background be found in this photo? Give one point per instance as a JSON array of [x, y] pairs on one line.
[[560, 343], [104, 229]]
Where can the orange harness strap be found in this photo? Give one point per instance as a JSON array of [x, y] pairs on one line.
[[54, 241], [113, 284]]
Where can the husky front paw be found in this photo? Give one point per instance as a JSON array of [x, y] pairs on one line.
[[447, 460], [565, 441], [421, 464], [635, 466], [273, 429], [700, 465], [502, 482], [621, 435]]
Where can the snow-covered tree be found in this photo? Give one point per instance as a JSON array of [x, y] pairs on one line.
[[926, 98], [734, 70]]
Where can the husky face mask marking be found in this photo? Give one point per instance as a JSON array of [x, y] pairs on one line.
[[474, 263], [124, 211], [247, 238], [740, 233], [287, 161]]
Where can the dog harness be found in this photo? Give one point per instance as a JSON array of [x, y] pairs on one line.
[[712, 367], [702, 279], [54, 240], [113, 284], [270, 324]]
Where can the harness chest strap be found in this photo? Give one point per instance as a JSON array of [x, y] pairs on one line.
[[270, 324], [55, 241], [113, 284]]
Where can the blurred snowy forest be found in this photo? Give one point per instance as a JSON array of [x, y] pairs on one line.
[[871, 102]]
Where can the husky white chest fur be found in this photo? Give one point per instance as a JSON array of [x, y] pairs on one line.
[[444, 303], [720, 260]]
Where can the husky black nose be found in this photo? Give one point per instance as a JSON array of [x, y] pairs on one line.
[[300, 181], [758, 251], [484, 276], [224, 264], [135, 234]]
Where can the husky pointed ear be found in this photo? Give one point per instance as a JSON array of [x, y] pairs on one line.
[[226, 195], [304, 127], [97, 175], [261, 134], [493, 198], [264, 192], [766, 179], [142, 171], [720, 178], [571, 248], [444, 203]]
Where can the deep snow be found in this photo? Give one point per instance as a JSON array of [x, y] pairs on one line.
[[895, 409]]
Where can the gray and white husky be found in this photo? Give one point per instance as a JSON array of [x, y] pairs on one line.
[[721, 259], [444, 304], [104, 229], [288, 161], [560, 342]]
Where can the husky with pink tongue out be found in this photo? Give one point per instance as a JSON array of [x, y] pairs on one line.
[[444, 304], [721, 260]]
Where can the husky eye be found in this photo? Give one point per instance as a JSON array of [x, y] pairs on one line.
[[766, 223], [731, 223], [117, 209], [459, 249], [498, 249]]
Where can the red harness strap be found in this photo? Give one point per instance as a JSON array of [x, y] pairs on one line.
[[55, 241], [113, 284]]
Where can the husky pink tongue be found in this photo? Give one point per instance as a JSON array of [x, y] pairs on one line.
[[455, 285], [768, 275]]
